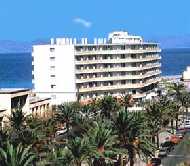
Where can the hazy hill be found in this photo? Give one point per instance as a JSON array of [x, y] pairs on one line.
[[173, 41], [7, 46]]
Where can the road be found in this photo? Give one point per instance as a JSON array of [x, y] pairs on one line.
[[180, 154]]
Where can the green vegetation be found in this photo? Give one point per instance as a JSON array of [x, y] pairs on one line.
[[99, 133]]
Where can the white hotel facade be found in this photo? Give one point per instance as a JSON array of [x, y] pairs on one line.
[[67, 70]]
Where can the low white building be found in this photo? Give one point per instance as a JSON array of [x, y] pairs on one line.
[[11, 99], [40, 107], [186, 77]]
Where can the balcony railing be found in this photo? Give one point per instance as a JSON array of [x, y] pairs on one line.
[[119, 87], [127, 51], [115, 78], [115, 69], [115, 61]]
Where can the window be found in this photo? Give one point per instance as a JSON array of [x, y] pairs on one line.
[[122, 56], [53, 86], [122, 73], [123, 82], [52, 58], [111, 83], [53, 96], [134, 91], [122, 64], [52, 49], [90, 84]]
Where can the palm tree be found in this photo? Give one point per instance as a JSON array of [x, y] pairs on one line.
[[154, 118], [127, 101], [108, 105], [16, 156], [80, 150], [185, 100], [157, 116], [172, 114], [81, 124], [19, 133], [65, 113], [176, 90], [17, 119], [179, 94], [128, 127], [59, 156], [100, 136], [3, 137]]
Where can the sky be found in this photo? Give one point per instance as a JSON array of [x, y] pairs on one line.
[[28, 20]]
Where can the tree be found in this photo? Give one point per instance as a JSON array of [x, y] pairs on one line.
[[59, 157], [65, 113], [17, 119], [19, 133], [181, 98], [108, 105], [127, 101], [81, 124], [129, 128], [172, 114], [80, 149], [16, 156], [154, 119], [101, 136], [185, 100], [176, 90]]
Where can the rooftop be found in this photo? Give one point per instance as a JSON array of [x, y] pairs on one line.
[[13, 90], [114, 38], [36, 99]]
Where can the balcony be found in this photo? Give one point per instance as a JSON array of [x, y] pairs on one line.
[[140, 95], [116, 78], [115, 61], [119, 87], [127, 51], [118, 69]]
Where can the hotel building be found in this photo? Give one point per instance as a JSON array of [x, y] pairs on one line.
[[67, 70]]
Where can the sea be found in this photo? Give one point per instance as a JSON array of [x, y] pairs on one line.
[[16, 68]]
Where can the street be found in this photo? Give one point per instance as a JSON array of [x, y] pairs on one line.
[[180, 154]]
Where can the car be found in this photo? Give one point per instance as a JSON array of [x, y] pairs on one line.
[[163, 152], [155, 161], [187, 124], [181, 127], [180, 135], [175, 139], [168, 145], [188, 118]]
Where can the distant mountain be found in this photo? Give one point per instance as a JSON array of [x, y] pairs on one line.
[[173, 41], [8, 46]]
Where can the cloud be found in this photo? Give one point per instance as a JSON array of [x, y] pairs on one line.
[[83, 22]]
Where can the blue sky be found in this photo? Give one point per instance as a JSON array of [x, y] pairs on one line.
[[26, 20]]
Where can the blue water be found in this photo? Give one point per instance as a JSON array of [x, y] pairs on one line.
[[175, 61], [16, 68]]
